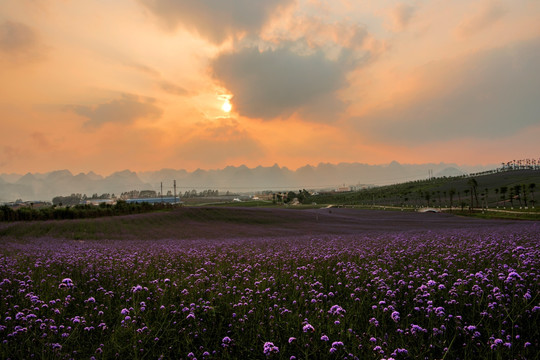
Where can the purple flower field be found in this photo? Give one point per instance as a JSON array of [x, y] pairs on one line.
[[422, 294]]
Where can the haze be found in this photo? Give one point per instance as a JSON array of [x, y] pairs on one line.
[[150, 84]]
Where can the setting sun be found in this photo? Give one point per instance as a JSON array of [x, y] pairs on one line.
[[227, 106]]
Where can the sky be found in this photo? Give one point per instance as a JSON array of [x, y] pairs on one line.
[[99, 85]]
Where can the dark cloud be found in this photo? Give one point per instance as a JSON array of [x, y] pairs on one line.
[[276, 83], [19, 41], [216, 20], [124, 110], [492, 94]]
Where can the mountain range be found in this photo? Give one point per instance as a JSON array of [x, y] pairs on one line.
[[44, 186]]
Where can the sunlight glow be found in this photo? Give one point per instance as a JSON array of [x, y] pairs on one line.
[[227, 106]]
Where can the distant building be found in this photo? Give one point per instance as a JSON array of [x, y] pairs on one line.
[[156, 200], [343, 189], [147, 194]]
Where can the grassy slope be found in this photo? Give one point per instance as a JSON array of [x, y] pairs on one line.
[[224, 222], [394, 194]]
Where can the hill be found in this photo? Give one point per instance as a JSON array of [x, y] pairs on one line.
[[511, 188]]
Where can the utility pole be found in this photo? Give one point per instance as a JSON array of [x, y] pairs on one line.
[[175, 191]]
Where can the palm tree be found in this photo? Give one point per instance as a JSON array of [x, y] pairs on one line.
[[466, 191], [452, 192], [524, 191], [473, 184], [511, 196], [503, 191], [517, 190], [531, 189]]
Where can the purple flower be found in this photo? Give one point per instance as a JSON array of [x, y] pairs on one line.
[[416, 329], [324, 338], [269, 348], [336, 310], [225, 342], [66, 282], [308, 327], [395, 316]]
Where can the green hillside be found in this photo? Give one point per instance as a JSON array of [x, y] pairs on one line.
[[505, 189]]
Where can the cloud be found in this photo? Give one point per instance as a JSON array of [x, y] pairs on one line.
[[220, 143], [318, 33], [173, 89], [276, 83], [19, 41], [216, 20], [143, 69], [401, 15], [492, 94], [40, 140], [489, 12], [127, 109]]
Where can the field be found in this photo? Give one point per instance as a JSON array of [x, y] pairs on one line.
[[224, 283]]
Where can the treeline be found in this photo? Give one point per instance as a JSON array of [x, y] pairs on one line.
[[76, 199], [205, 193], [302, 196], [77, 211]]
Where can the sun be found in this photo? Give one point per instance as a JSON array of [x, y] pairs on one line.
[[227, 106]]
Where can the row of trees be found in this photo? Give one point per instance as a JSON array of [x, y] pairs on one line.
[[521, 194], [521, 164], [205, 193], [76, 199], [77, 212]]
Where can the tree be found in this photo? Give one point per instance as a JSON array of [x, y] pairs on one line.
[[532, 186], [503, 191], [524, 191], [427, 196], [452, 192], [466, 191], [511, 196], [473, 185], [517, 190]]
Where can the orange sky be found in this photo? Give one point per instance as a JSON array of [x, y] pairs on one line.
[[140, 84]]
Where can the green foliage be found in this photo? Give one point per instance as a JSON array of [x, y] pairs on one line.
[[78, 211]]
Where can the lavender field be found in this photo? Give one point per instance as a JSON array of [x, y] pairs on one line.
[[312, 285]]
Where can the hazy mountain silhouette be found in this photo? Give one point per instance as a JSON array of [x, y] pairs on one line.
[[233, 178]]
